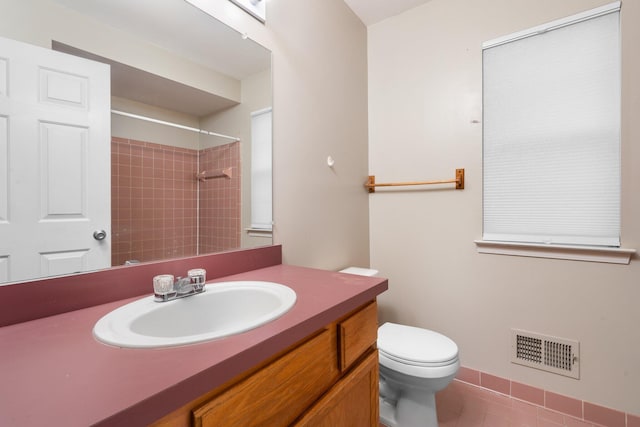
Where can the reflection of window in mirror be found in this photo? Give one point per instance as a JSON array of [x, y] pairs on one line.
[[261, 210]]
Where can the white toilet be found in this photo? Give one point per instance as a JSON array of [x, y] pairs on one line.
[[415, 363]]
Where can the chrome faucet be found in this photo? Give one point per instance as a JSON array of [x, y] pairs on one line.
[[166, 289], [183, 285]]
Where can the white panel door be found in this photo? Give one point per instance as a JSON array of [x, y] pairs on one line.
[[55, 163]]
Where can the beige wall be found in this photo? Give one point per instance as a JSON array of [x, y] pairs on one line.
[[320, 109], [424, 122]]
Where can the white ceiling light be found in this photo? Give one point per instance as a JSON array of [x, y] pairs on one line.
[[255, 8]]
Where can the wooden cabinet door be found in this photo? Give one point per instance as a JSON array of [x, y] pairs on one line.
[[278, 393], [352, 402], [356, 334]]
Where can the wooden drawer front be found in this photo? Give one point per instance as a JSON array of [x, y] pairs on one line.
[[356, 334], [353, 402], [278, 393]]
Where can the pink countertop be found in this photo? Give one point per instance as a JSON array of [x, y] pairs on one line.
[[54, 372]]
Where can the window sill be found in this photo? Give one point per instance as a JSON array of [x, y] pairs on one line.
[[575, 253], [259, 232]]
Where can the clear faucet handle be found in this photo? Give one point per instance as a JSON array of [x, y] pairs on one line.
[[163, 284], [197, 275]]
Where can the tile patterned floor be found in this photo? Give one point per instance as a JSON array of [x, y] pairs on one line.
[[464, 405]]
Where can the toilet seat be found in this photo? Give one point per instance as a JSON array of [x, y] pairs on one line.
[[416, 351]]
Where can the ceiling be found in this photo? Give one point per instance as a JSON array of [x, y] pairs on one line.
[[373, 11]]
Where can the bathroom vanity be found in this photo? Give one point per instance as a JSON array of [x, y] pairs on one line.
[[328, 379], [315, 365]]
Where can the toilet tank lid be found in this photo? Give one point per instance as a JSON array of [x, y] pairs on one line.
[[415, 345], [360, 271]]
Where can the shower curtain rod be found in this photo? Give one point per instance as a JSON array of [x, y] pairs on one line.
[[175, 125]]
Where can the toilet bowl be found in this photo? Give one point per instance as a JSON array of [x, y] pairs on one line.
[[415, 363]]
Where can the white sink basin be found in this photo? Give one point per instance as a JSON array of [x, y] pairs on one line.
[[224, 309]]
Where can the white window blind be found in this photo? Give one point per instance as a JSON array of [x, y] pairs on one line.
[[261, 188], [551, 143]]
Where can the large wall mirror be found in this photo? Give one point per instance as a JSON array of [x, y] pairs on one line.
[[130, 131]]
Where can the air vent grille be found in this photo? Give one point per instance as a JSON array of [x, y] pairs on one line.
[[552, 354], [529, 348]]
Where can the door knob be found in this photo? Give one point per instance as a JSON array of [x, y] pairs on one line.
[[99, 234]]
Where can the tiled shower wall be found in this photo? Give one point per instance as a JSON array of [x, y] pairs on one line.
[[154, 202]]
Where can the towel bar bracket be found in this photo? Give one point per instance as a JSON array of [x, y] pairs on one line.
[[459, 179]]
